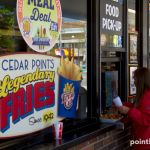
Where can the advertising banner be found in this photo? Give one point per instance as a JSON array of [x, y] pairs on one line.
[[28, 93], [39, 23], [69, 84]]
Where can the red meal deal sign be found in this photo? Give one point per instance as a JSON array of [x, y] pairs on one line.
[[28, 93], [39, 22]]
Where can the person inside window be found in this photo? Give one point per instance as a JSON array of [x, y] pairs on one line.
[[139, 112]]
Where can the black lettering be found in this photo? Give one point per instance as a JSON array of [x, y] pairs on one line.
[[45, 4], [39, 4], [33, 120], [51, 5], [29, 2], [41, 17], [35, 14]]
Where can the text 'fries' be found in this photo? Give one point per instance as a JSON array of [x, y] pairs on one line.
[[69, 70]]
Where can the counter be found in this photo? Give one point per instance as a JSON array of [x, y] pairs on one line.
[[94, 136]]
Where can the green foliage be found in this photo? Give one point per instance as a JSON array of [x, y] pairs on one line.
[[6, 18], [7, 42]]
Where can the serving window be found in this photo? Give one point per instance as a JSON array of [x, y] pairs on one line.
[[113, 57]]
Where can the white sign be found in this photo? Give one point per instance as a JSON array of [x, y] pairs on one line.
[[28, 93], [39, 22]]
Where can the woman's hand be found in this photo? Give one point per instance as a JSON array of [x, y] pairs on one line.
[[123, 109]]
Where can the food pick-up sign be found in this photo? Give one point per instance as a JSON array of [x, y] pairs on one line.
[[111, 16]]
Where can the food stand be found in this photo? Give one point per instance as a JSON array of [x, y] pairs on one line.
[[111, 60]]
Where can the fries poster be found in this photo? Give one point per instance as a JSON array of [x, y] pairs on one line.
[[32, 87], [28, 93], [39, 22]]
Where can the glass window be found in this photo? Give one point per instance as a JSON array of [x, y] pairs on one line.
[[71, 42], [131, 16], [10, 37]]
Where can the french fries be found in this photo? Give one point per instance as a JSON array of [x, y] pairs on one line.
[[69, 70]]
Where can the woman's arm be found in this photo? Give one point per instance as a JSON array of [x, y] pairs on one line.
[[128, 104], [139, 117]]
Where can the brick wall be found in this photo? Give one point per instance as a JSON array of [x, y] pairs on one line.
[[115, 139]]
